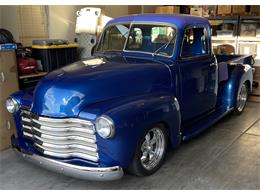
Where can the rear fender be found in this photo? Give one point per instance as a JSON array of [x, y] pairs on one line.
[[238, 75]]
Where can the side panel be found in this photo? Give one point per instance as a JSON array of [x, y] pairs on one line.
[[131, 117], [238, 74], [198, 80]]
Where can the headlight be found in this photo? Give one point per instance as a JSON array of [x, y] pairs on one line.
[[105, 127], [11, 105]]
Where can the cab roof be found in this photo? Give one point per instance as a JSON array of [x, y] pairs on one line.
[[180, 20]]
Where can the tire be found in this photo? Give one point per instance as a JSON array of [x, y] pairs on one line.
[[150, 152], [242, 96]]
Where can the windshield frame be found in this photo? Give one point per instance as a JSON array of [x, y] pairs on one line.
[[128, 34]]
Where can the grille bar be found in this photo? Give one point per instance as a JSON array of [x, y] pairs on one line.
[[59, 137], [67, 154]]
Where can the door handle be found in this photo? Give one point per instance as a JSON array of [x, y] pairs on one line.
[[212, 64], [2, 77]]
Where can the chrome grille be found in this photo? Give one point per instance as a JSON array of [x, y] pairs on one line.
[[61, 137]]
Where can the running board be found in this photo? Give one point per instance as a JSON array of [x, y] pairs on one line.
[[201, 125]]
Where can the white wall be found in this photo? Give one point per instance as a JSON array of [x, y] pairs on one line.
[[9, 20], [115, 10], [62, 21], [0, 16], [62, 18]]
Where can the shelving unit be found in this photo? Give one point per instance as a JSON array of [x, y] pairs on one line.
[[219, 21], [252, 42], [249, 44]]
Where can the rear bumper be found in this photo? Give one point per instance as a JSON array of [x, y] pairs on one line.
[[81, 172]]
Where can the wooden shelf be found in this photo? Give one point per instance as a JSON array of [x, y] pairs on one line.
[[248, 39], [223, 38], [33, 75]]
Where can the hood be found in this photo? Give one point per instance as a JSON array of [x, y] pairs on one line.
[[67, 91]]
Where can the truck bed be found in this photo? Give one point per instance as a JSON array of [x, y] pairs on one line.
[[225, 61], [234, 59]]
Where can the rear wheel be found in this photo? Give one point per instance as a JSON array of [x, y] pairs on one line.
[[150, 152], [241, 98]]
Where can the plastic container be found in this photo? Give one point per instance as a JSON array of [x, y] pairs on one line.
[[52, 55], [26, 65], [8, 46], [87, 20]]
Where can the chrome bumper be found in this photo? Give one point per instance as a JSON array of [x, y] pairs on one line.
[[81, 172]]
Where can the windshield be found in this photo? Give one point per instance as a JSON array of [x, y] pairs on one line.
[[148, 38]]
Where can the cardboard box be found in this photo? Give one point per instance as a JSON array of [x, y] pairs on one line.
[[248, 30], [167, 10], [196, 11], [224, 9], [212, 10], [255, 9], [238, 9], [134, 9]]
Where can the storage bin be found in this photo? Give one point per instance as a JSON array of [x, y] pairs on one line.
[[238, 9], [196, 11], [224, 9], [54, 56]]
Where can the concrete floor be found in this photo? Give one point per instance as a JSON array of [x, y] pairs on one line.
[[226, 156]]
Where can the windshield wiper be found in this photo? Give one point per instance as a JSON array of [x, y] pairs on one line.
[[164, 45]]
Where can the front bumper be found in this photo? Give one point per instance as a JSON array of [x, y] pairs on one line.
[[81, 172]]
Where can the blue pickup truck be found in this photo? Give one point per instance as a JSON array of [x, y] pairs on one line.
[[152, 82]]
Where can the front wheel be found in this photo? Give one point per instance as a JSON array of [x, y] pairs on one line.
[[241, 98], [150, 152]]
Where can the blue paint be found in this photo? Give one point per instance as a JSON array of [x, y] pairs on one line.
[[138, 90]]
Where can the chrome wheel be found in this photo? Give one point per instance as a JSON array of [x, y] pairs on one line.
[[152, 148], [242, 98]]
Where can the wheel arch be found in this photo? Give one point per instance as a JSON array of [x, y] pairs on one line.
[[239, 74], [132, 116]]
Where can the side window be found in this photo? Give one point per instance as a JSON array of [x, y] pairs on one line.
[[195, 42], [135, 39]]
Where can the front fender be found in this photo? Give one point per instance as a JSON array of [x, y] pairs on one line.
[[131, 117], [238, 75]]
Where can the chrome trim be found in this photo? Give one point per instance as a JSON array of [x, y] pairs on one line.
[[66, 153], [152, 148], [242, 97], [111, 124], [61, 137], [76, 171], [15, 102]]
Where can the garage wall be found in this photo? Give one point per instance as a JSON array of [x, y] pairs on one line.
[[62, 18], [0, 17], [9, 20], [62, 21], [112, 10]]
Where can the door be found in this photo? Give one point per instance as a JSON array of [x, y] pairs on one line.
[[197, 78], [8, 85]]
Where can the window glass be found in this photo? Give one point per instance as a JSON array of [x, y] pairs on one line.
[[114, 38], [151, 38], [195, 42]]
